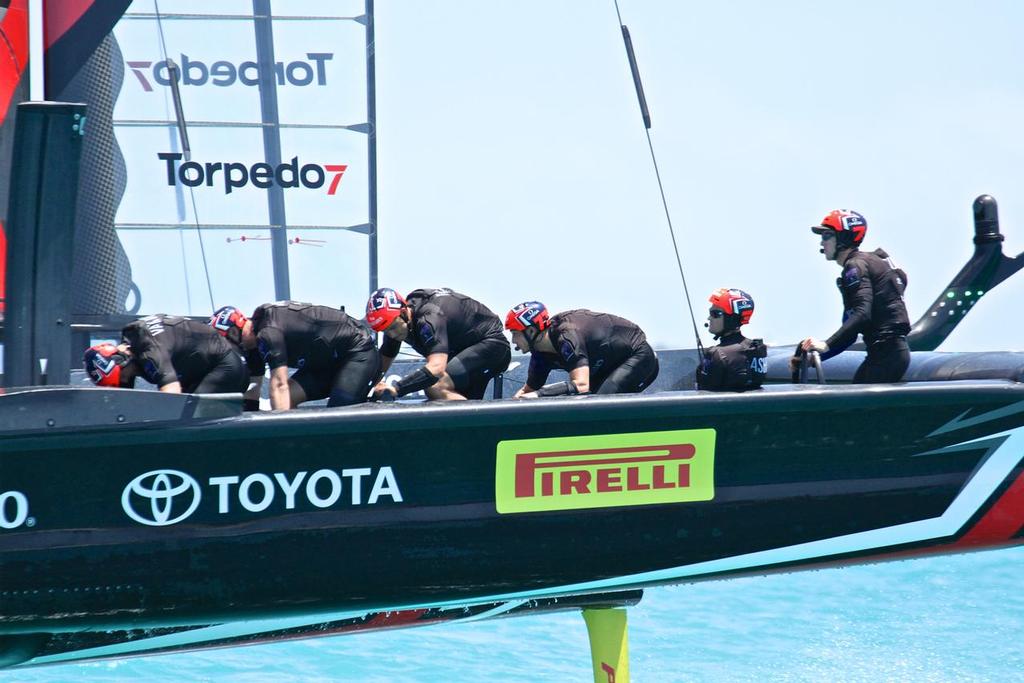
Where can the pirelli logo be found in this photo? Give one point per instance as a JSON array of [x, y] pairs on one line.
[[608, 470]]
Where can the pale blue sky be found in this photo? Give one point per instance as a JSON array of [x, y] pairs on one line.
[[513, 163], [510, 136]]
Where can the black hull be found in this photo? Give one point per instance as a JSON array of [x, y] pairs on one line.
[[801, 476]]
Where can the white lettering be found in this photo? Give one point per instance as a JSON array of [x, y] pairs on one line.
[[268, 492], [289, 487], [386, 485], [332, 497], [20, 509], [222, 497], [356, 477]]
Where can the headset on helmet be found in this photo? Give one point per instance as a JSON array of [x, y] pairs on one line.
[[849, 227], [737, 305], [383, 306], [104, 363], [229, 321], [527, 313]]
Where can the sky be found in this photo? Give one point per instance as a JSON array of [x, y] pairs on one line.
[[513, 163]]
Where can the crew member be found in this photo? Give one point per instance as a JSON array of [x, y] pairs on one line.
[[461, 339], [735, 363], [335, 355], [872, 288], [174, 353], [603, 353]]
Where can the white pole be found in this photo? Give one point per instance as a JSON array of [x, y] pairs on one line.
[[36, 92]]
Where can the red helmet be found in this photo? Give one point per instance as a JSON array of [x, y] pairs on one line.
[[383, 306], [525, 314], [737, 305], [103, 362], [228, 321], [849, 226]]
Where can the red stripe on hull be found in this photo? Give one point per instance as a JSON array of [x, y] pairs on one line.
[[1001, 522]]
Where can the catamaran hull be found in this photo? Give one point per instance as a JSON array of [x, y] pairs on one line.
[[153, 521]]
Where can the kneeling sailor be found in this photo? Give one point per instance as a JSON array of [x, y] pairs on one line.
[[735, 363], [178, 355], [335, 355], [603, 353], [461, 339]]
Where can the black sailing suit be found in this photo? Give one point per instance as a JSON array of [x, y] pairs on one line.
[[444, 321], [872, 288], [169, 348], [335, 355], [616, 350], [734, 364]]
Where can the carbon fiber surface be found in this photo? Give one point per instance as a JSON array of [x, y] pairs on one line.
[[101, 276]]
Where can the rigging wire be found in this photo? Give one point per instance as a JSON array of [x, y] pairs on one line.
[[186, 148], [645, 113]]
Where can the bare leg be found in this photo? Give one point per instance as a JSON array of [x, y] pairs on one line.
[[444, 390], [296, 394]]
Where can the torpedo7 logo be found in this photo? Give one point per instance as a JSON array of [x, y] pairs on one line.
[[224, 74], [234, 175], [612, 470]]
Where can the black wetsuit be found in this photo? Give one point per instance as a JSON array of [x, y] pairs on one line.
[[335, 355], [447, 322], [872, 288], [616, 350], [735, 364], [169, 348]]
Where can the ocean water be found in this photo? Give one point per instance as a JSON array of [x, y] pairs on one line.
[[955, 618]]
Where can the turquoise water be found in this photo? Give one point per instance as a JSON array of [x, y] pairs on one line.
[[957, 618]]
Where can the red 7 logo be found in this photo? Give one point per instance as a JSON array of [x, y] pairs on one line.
[[338, 170]]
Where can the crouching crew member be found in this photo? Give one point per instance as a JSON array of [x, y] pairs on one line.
[[461, 339], [603, 353], [872, 288], [174, 353], [736, 363], [335, 355]]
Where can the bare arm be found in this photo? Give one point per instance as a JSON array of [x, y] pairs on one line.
[[437, 363], [581, 378], [279, 396], [172, 388], [525, 389], [385, 364]]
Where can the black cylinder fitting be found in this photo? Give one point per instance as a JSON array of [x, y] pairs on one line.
[[986, 220]]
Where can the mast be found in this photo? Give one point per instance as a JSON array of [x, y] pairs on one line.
[[272, 145], [371, 141]]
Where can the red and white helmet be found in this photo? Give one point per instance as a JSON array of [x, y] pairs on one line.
[[527, 313], [737, 305], [849, 226], [103, 363], [383, 306], [229, 322]]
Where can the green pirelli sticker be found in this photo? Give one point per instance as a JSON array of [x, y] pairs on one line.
[[606, 470]]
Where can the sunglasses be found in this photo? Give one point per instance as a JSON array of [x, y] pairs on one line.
[[715, 313]]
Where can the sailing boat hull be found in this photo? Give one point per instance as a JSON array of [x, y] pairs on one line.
[[163, 517]]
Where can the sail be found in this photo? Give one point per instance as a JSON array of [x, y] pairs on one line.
[[13, 89], [228, 158]]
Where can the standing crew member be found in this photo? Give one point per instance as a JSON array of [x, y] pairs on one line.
[[872, 288], [603, 353], [735, 363], [461, 339], [335, 355], [174, 353]]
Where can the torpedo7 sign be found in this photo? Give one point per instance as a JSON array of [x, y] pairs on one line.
[[232, 175], [610, 470]]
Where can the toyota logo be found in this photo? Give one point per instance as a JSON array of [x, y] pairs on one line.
[[164, 497]]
